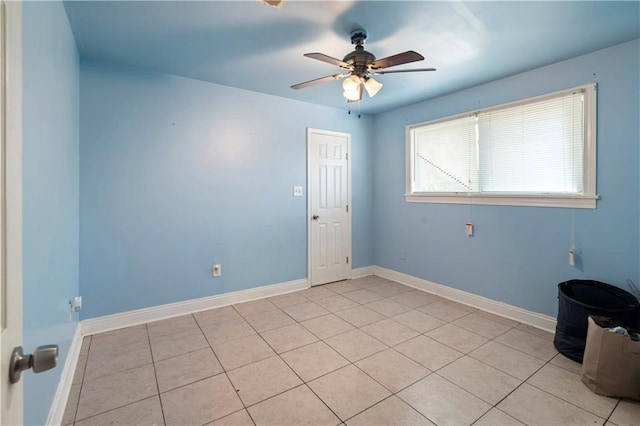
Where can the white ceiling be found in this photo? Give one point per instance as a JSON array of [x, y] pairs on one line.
[[248, 45]]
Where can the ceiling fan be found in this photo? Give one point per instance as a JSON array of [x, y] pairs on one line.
[[360, 66]]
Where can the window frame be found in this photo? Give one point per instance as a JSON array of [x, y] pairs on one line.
[[586, 200]]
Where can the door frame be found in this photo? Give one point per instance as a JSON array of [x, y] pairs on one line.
[[12, 395], [310, 131]]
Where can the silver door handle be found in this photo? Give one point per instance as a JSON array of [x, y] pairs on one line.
[[315, 217], [44, 358]]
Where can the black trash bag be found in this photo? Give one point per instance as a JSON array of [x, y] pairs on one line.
[[577, 299]]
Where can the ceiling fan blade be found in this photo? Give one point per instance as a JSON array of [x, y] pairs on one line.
[[318, 80], [399, 59], [397, 71], [328, 59]]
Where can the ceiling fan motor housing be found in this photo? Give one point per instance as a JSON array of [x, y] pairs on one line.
[[358, 37], [360, 59]]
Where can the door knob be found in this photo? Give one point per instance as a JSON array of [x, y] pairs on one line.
[[316, 217], [43, 358]]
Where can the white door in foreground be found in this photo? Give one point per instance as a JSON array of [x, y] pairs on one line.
[[11, 395]]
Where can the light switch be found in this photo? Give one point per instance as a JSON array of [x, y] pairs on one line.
[[297, 191], [217, 270]]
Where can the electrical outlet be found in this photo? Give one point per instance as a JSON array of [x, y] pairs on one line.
[[217, 270], [74, 306], [297, 191], [469, 229], [77, 303]]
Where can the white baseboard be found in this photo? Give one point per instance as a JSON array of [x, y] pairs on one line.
[[534, 319], [361, 272], [59, 403], [156, 313], [141, 316]]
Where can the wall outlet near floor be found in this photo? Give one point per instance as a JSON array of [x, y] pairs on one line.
[[74, 306], [217, 270], [297, 191]]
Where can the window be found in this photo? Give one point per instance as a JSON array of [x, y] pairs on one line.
[[535, 152]]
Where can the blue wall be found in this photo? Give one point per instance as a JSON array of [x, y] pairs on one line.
[[519, 254], [50, 193], [177, 174]]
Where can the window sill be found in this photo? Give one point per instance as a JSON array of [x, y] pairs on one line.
[[576, 201]]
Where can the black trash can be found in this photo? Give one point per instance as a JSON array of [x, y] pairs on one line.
[[577, 299]]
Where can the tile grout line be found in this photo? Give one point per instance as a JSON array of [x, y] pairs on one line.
[[155, 372], [352, 363], [131, 402], [612, 411], [279, 355], [467, 354], [436, 371], [547, 362], [224, 370], [106, 375], [521, 381], [303, 383], [84, 370], [116, 408], [392, 393], [569, 402], [482, 362]]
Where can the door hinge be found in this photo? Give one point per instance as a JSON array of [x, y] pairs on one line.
[[347, 259], [347, 208], [347, 155]]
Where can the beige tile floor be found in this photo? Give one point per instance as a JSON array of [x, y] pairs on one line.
[[361, 352]]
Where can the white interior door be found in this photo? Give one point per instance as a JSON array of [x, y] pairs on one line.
[[328, 195], [11, 396]]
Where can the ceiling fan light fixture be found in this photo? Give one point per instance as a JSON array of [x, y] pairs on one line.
[[351, 83], [372, 86], [352, 89], [352, 96]]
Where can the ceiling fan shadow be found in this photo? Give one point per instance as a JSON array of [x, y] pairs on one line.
[[381, 19]]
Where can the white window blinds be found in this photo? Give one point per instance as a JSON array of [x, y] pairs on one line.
[[527, 150], [534, 147], [446, 156]]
